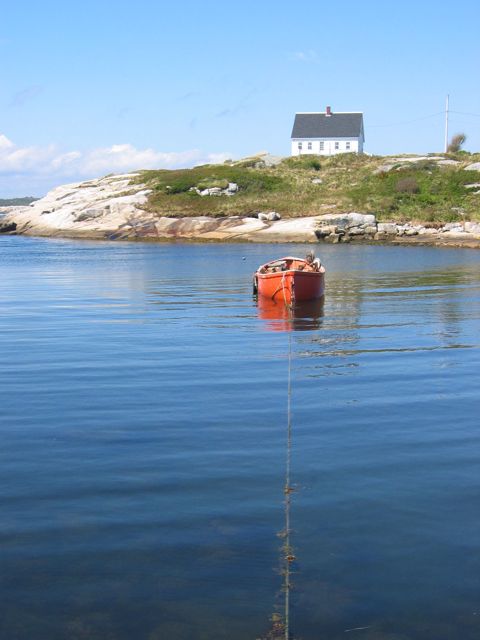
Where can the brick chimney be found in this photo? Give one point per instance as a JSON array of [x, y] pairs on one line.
[[328, 111]]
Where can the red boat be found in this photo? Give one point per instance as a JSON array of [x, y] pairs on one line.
[[290, 279]]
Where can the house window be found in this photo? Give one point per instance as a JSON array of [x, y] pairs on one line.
[[322, 145], [337, 146], [347, 146], [309, 146], [299, 146]]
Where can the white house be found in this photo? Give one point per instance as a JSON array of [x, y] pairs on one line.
[[328, 133]]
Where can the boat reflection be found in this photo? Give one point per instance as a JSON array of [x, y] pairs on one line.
[[303, 316]]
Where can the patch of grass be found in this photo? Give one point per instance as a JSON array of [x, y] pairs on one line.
[[306, 162], [407, 185], [212, 183], [419, 194], [421, 191]]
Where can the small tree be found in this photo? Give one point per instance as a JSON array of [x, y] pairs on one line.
[[456, 143]]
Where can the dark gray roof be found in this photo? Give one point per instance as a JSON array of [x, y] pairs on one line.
[[319, 125]]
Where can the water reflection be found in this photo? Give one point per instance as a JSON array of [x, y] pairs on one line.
[[144, 475], [304, 316]]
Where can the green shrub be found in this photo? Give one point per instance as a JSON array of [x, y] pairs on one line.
[[211, 183], [407, 185], [307, 162]]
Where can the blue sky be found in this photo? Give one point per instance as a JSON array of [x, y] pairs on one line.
[[95, 87]]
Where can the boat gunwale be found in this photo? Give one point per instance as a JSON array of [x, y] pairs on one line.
[[278, 261]]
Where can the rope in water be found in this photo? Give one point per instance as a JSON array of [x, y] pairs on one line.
[[288, 555], [280, 629]]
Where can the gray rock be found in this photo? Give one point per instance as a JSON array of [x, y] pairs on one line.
[[357, 231], [388, 228], [334, 238], [473, 167], [317, 181], [91, 214], [325, 230], [273, 215], [269, 160], [268, 216], [472, 227], [7, 227], [453, 226], [474, 185], [383, 169], [357, 219]]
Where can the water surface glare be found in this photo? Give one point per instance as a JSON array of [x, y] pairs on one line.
[[143, 444]]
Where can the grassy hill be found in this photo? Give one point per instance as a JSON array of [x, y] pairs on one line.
[[401, 188]]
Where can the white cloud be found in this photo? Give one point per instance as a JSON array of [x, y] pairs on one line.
[[125, 157], [49, 164], [5, 143], [310, 56]]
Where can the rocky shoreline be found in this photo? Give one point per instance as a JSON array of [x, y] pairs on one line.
[[111, 208]]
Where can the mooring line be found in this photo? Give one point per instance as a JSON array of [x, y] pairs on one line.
[[288, 554], [280, 625]]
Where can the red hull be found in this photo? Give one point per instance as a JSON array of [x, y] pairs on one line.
[[289, 283], [302, 316]]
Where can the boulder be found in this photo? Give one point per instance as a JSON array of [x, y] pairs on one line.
[[325, 230], [453, 226], [358, 219], [273, 215], [473, 167], [268, 216], [472, 227], [388, 228], [357, 231], [334, 238], [385, 168], [91, 214], [7, 227]]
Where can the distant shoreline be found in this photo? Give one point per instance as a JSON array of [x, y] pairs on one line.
[[406, 200]]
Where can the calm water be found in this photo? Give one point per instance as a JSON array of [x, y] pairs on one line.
[[143, 444]]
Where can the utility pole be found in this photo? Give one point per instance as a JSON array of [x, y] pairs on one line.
[[446, 125]]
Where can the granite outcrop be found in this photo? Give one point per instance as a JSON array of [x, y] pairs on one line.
[[115, 208]]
